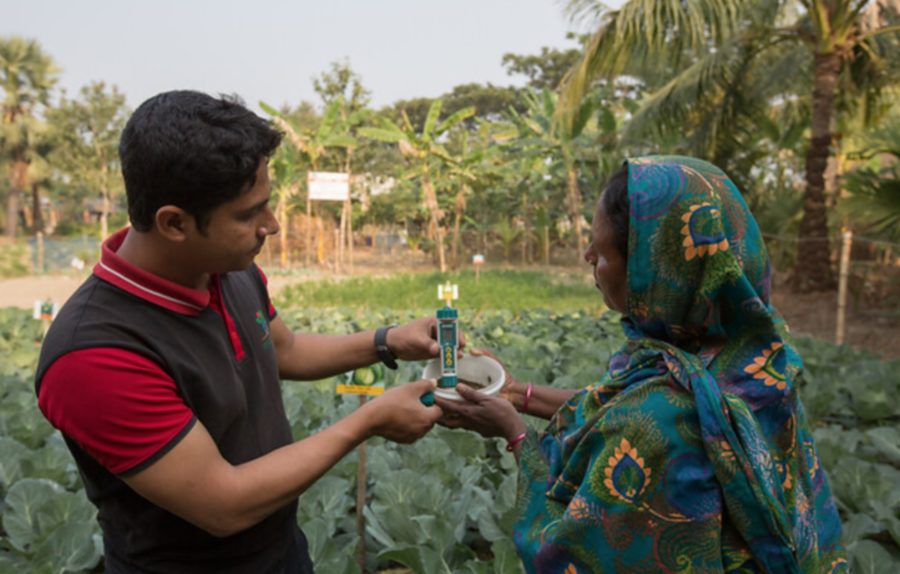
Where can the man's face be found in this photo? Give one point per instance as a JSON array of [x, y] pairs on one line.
[[237, 229], [609, 267]]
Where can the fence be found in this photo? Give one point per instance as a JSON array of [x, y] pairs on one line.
[[868, 274], [868, 268], [54, 255]]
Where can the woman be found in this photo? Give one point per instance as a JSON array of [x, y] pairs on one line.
[[692, 453]]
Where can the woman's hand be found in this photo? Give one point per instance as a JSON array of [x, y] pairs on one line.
[[489, 416], [507, 391]]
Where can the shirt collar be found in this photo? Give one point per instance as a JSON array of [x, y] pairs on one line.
[[149, 287]]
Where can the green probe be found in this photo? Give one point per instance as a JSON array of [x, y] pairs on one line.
[[449, 342]]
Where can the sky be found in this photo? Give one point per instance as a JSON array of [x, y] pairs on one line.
[[271, 49]]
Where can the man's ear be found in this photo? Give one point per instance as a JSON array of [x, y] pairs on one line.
[[174, 223]]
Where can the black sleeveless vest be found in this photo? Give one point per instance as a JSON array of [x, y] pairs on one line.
[[238, 401]]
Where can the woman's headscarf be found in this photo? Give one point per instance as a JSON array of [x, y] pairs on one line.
[[693, 450]]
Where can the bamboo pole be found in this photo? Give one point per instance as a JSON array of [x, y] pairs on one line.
[[337, 250], [840, 329], [350, 233], [341, 236], [308, 227]]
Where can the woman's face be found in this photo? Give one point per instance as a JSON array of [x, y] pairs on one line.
[[609, 265]]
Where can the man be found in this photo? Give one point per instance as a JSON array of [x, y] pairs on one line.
[[162, 371]]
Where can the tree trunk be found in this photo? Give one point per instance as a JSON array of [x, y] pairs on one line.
[[281, 210], [104, 195], [813, 270], [547, 245], [459, 207], [18, 180], [37, 218], [349, 169], [104, 216], [575, 208], [431, 204]]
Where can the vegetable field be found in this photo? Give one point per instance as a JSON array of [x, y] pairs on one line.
[[443, 505]]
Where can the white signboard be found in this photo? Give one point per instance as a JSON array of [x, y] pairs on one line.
[[328, 186]]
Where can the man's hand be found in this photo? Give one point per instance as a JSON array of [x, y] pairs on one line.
[[488, 416], [399, 415], [417, 340]]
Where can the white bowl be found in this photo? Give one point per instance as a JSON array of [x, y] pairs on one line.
[[475, 368]]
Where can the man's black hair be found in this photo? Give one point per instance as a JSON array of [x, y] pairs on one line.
[[615, 204], [191, 150]]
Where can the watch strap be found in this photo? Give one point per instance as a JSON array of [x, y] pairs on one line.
[[381, 348]]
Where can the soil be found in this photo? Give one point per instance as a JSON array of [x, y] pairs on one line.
[[813, 314]]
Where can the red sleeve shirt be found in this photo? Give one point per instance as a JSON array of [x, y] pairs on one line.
[[119, 406]]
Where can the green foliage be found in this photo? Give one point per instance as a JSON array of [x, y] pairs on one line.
[[544, 71], [14, 260], [48, 525], [444, 504], [512, 290], [874, 204]]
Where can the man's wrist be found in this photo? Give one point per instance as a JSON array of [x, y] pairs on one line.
[[382, 351]]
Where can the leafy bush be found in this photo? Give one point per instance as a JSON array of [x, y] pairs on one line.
[[495, 289], [15, 260]]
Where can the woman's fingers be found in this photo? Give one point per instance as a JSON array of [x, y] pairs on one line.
[[470, 394]]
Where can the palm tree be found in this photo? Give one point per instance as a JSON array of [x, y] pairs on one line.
[[712, 42], [874, 186], [422, 148], [26, 75]]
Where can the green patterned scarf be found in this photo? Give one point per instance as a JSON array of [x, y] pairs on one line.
[[692, 453]]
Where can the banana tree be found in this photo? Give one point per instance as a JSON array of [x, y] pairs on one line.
[[287, 177], [424, 151], [559, 141], [312, 145], [477, 165]]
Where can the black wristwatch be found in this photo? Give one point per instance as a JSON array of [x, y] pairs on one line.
[[381, 348]]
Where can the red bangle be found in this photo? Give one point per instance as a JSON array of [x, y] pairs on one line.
[[511, 444], [528, 392]]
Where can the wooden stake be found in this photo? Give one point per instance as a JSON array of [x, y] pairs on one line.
[[361, 501], [840, 330], [40, 251]]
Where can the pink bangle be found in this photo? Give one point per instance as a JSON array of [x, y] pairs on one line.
[[511, 444], [528, 392]]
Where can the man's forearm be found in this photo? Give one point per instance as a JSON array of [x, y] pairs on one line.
[[196, 483], [262, 486], [194, 480], [311, 356]]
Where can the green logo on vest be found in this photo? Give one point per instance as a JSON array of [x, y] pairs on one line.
[[266, 333]]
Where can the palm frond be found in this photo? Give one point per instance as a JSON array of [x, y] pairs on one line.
[[647, 30]]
